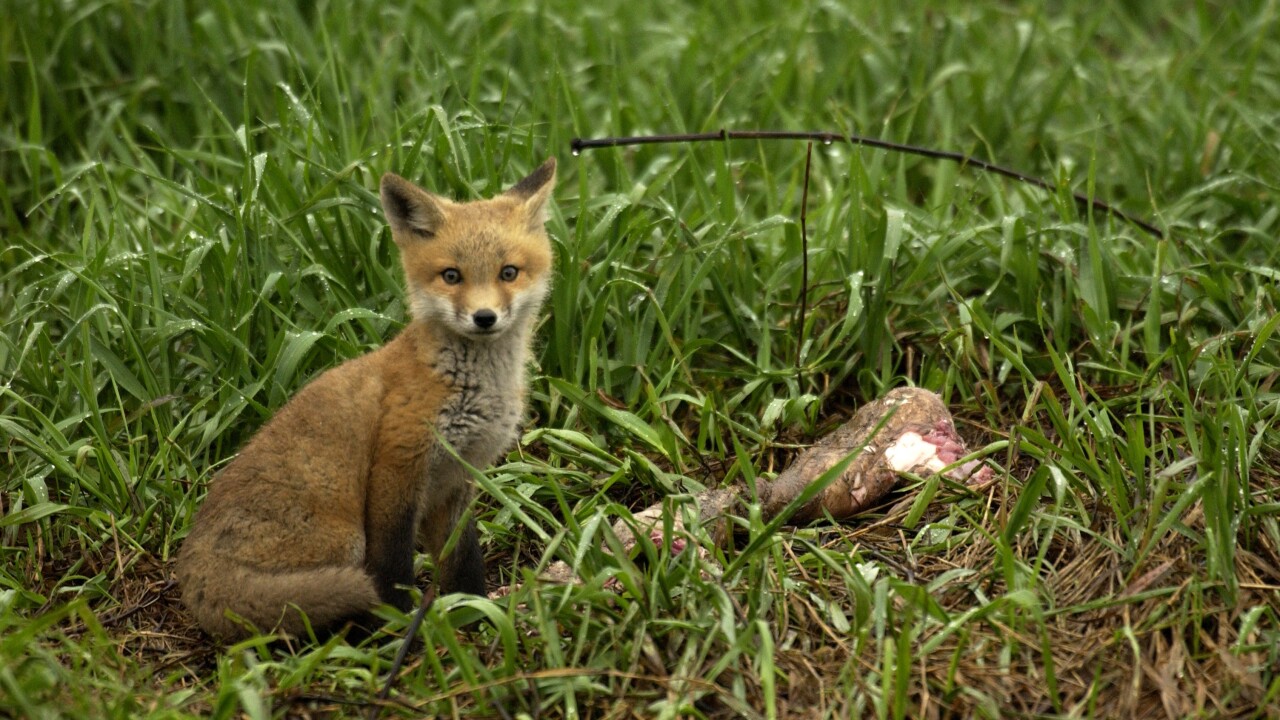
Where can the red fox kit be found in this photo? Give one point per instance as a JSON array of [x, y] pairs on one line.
[[321, 509]]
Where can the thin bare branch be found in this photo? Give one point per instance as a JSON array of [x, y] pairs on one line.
[[410, 633], [804, 261], [580, 144]]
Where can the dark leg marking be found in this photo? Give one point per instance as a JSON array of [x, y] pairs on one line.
[[463, 570], [391, 564]]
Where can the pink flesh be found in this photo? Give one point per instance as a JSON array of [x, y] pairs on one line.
[[951, 448]]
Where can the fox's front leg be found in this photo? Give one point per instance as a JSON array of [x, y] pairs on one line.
[[463, 570], [391, 515]]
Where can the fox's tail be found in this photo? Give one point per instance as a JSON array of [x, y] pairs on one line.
[[267, 600]]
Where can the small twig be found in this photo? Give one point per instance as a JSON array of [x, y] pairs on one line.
[[804, 263], [580, 144], [126, 613], [409, 634], [310, 697]]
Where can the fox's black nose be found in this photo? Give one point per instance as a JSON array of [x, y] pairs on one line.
[[484, 319]]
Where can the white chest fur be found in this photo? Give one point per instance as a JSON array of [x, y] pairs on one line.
[[482, 415]]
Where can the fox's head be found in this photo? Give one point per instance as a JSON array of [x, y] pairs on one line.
[[477, 268]]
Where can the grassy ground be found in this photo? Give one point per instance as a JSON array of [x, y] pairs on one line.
[[191, 231]]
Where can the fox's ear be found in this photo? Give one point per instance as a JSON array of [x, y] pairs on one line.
[[409, 208], [533, 191]]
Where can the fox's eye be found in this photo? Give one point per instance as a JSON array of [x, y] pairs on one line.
[[451, 276], [509, 273]]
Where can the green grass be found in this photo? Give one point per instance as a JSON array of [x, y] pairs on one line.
[[191, 232]]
